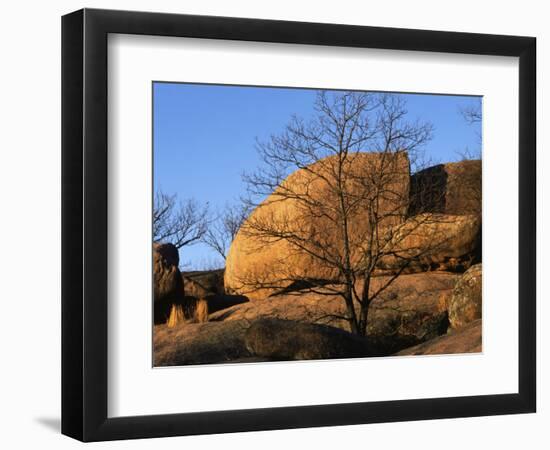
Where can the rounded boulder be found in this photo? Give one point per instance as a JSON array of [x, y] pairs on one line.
[[465, 304], [303, 211]]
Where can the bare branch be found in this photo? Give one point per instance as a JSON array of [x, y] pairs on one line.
[[347, 210], [224, 228], [180, 223]]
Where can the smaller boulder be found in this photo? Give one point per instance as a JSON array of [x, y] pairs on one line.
[[168, 283], [208, 286], [465, 303], [204, 283], [199, 343], [277, 339]]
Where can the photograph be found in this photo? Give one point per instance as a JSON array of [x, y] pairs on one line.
[[308, 224], [275, 225]]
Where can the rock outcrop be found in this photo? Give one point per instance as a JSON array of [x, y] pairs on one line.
[[411, 310], [167, 281], [260, 264], [434, 242], [200, 343], [452, 188], [465, 340], [465, 304], [218, 302], [208, 286], [171, 305], [251, 341], [201, 284], [285, 340], [431, 221]]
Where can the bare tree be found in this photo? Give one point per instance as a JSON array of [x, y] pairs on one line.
[[348, 207], [180, 223], [471, 114], [224, 228], [471, 172]]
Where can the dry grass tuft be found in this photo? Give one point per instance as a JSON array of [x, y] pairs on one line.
[[201, 311], [176, 316], [193, 311]]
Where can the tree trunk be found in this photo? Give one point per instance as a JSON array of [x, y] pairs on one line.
[[365, 304], [363, 319], [353, 322]]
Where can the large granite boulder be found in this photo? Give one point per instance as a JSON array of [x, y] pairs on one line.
[[277, 339], [465, 304], [433, 242], [260, 264], [452, 188], [411, 310], [465, 340]]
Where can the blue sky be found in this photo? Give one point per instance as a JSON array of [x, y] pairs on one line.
[[204, 137]]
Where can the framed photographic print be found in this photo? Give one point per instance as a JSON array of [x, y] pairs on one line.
[[273, 224]]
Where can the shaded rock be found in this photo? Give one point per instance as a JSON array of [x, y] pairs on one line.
[[277, 339], [168, 252], [209, 286], [200, 343], [258, 265], [218, 302], [411, 310], [203, 283], [167, 281], [434, 242], [465, 340], [452, 188], [465, 304], [194, 309]]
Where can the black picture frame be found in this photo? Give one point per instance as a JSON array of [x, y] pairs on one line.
[[84, 224]]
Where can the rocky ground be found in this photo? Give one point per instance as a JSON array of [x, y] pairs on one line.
[[434, 308], [464, 340], [411, 318]]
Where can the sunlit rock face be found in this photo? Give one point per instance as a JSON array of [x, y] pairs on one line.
[[428, 242], [464, 340], [465, 304], [259, 263], [411, 310]]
